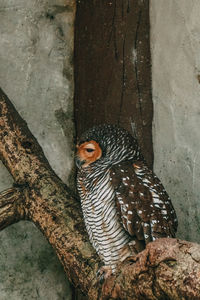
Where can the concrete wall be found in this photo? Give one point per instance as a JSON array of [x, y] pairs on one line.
[[175, 45], [36, 50], [36, 47]]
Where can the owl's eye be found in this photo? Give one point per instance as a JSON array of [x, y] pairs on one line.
[[89, 149]]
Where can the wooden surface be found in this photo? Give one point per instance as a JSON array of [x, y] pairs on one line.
[[113, 69]]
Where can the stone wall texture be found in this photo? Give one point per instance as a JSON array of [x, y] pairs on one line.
[[36, 50], [175, 48]]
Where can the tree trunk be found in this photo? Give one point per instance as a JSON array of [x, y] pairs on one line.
[[166, 269], [113, 68]]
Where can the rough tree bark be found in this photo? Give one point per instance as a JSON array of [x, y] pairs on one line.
[[166, 269]]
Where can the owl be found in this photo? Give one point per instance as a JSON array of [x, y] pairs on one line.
[[124, 204]]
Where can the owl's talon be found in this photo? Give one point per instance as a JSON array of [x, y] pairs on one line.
[[103, 273], [100, 277]]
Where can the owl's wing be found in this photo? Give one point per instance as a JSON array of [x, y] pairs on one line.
[[145, 208]]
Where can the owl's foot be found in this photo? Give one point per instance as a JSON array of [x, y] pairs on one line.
[[136, 246], [103, 273]]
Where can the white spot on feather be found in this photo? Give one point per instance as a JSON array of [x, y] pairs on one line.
[[153, 222]]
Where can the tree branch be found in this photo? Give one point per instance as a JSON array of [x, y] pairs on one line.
[[166, 269], [11, 209], [48, 201]]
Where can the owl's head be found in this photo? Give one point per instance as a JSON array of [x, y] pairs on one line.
[[106, 145]]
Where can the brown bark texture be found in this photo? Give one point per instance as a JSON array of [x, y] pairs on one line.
[[113, 68], [166, 269]]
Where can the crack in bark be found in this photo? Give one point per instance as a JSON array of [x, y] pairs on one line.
[[136, 63], [123, 86], [113, 32]]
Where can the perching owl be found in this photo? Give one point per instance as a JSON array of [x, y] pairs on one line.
[[124, 204]]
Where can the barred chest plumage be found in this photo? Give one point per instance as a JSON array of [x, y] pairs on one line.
[[124, 204], [102, 221]]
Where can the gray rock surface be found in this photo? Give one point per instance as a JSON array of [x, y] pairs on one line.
[[175, 44], [36, 50]]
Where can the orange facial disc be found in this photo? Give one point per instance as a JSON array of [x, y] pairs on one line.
[[89, 152]]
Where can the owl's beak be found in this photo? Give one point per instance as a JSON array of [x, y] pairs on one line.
[[79, 162]]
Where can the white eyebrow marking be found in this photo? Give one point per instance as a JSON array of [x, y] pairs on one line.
[[92, 146]]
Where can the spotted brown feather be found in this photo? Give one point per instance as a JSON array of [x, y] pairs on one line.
[[144, 206]]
